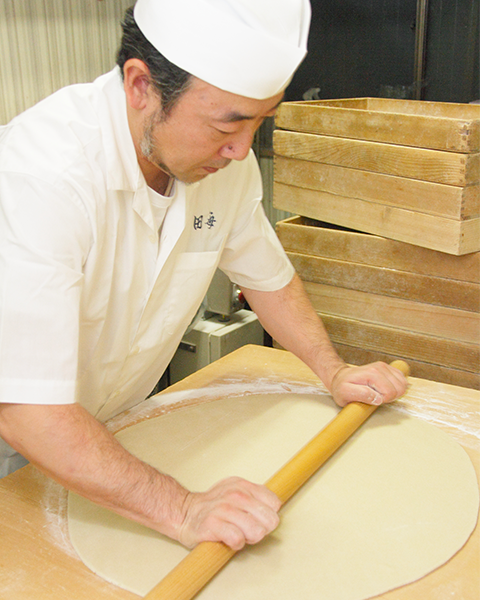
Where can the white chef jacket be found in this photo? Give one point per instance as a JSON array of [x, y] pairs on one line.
[[93, 303]]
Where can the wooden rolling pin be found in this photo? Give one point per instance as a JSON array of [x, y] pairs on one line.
[[205, 560]]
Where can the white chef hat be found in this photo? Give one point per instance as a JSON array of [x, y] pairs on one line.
[[247, 47]]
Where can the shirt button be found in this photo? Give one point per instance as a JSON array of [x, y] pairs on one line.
[[135, 349], [152, 238]]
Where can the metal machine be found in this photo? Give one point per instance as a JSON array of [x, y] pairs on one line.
[[221, 326]]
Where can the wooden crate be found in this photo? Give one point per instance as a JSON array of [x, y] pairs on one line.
[[405, 170], [435, 125], [381, 299]]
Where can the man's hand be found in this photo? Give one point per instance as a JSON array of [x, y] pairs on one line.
[[234, 511], [376, 383]]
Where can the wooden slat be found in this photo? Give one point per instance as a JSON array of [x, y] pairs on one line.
[[432, 198], [428, 319], [401, 343], [436, 110], [389, 282], [450, 168], [359, 356], [427, 231], [305, 236], [402, 108], [439, 125]]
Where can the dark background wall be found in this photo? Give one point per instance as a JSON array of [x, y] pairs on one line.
[[367, 48]]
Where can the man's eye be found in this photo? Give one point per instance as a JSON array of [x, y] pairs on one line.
[[221, 131]]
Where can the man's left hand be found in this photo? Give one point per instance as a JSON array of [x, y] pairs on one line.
[[376, 383]]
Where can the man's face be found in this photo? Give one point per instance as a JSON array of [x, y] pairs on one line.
[[206, 129]]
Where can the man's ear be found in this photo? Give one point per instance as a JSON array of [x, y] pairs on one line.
[[136, 82]]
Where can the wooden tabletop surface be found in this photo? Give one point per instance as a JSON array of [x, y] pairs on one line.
[[38, 561]]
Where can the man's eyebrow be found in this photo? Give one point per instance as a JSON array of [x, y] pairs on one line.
[[234, 116]]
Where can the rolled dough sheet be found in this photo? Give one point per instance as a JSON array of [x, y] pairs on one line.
[[395, 502]]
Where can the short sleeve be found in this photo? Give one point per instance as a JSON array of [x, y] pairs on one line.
[[44, 239]]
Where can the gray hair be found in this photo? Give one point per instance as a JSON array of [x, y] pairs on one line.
[[169, 81]]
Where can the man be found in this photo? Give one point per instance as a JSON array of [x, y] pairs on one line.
[[119, 199]]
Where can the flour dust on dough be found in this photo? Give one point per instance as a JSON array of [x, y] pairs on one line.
[[394, 503]]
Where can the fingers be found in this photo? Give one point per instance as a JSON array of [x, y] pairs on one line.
[[377, 383], [386, 383], [234, 511]]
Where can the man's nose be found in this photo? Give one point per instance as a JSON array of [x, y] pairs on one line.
[[238, 147]]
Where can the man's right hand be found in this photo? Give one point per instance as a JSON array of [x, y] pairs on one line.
[[233, 511]]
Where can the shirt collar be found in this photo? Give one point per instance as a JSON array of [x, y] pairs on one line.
[[123, 170]]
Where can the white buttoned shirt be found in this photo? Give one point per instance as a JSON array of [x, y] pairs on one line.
[[93, 299]]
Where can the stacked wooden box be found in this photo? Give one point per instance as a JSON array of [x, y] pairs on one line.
[[388, 237]]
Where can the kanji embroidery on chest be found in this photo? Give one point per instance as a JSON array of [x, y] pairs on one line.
[[209, 221]]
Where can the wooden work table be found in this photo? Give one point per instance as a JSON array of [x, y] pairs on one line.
[[37, 560]]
